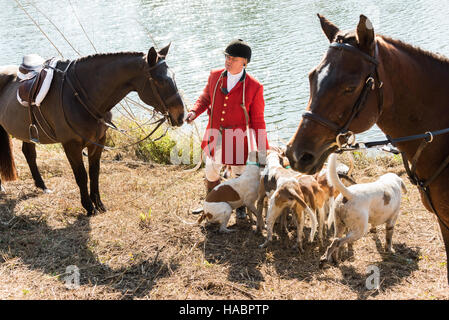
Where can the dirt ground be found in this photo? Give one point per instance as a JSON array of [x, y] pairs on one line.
[[140, 249]]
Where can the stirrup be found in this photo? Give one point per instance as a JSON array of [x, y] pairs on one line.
[[34, 137]]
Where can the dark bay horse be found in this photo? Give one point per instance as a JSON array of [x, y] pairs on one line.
[[77, 108], [366, 79]]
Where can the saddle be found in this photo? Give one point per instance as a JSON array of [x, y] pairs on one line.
[[35, 75]]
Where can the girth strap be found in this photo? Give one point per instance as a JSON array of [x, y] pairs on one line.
[[423, 186]]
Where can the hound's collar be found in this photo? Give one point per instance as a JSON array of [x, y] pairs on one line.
[[252, 163]]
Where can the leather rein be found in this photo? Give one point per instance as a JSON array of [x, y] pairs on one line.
[[348, 145]]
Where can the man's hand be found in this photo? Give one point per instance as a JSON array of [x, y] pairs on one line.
[[190, 116]]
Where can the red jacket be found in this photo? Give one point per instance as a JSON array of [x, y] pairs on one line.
[[228, 118]]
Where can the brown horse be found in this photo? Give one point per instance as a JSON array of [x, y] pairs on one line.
[[77, 108], [365, 79]]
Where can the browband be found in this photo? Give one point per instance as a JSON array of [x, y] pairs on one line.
[[347, 46]]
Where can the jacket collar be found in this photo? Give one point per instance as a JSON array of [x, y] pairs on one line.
[[224, 84], [243, 77]]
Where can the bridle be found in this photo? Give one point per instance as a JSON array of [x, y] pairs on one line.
[[162, 102], [371, 82]]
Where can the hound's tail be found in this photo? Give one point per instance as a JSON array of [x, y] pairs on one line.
[[8, 170], [335, 180]]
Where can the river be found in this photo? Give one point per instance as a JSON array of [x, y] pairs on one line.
[[285, 36]]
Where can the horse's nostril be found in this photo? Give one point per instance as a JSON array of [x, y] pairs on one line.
[[306, 158]]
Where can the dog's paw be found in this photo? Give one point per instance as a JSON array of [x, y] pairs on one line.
[[323, 262], [226, 230], [264, 245], [299, 247], [389, 250]]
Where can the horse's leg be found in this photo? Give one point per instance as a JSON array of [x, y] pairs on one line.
[[29, 151], [445, 233], [94, 173], [2, 190], [73, 151]]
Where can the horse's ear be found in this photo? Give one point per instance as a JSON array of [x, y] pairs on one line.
[[365, 34], [152, 56], [163, 52], [329, 29]]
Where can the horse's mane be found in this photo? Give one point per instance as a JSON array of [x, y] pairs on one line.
[[112, 54], [425, 56]]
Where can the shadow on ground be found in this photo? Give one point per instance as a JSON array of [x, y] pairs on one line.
[[240, 250], [51, 251]]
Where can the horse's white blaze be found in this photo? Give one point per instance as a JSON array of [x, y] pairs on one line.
[[322, 74]]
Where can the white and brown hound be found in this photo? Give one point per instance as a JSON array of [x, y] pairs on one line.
[[358, 205]]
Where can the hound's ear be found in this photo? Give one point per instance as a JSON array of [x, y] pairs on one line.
[[200, 219], [152, 56], [329, 29], [365, 34], [163, 52]]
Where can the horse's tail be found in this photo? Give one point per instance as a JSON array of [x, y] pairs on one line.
[[8, 170]]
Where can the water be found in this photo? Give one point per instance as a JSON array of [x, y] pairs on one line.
[[285, 37]]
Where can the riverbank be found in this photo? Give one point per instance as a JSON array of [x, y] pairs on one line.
[[140, 249]]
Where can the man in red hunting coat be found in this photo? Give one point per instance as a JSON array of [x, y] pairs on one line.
[[225, 141]]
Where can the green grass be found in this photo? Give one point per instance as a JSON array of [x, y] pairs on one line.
[[161, 151]]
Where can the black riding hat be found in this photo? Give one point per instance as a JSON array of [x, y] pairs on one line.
[[238, 48]]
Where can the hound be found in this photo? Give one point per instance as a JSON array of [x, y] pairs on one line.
[[233, 193], [362, 204], [285, 189]]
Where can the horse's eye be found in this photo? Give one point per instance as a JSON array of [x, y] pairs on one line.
[[350, 89]]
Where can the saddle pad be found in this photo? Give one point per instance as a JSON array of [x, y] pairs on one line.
[[41, 94]]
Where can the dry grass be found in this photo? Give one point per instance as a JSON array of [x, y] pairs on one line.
[[140, 249]]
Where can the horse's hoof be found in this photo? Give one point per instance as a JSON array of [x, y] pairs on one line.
[[47, 191], [92, 212], [2, 190], [100, 207]]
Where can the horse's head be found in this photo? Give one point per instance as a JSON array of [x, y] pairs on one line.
[[345, 96], [159, 88]]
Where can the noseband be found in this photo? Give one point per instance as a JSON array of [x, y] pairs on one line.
[[370, 84], [156, 92]]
